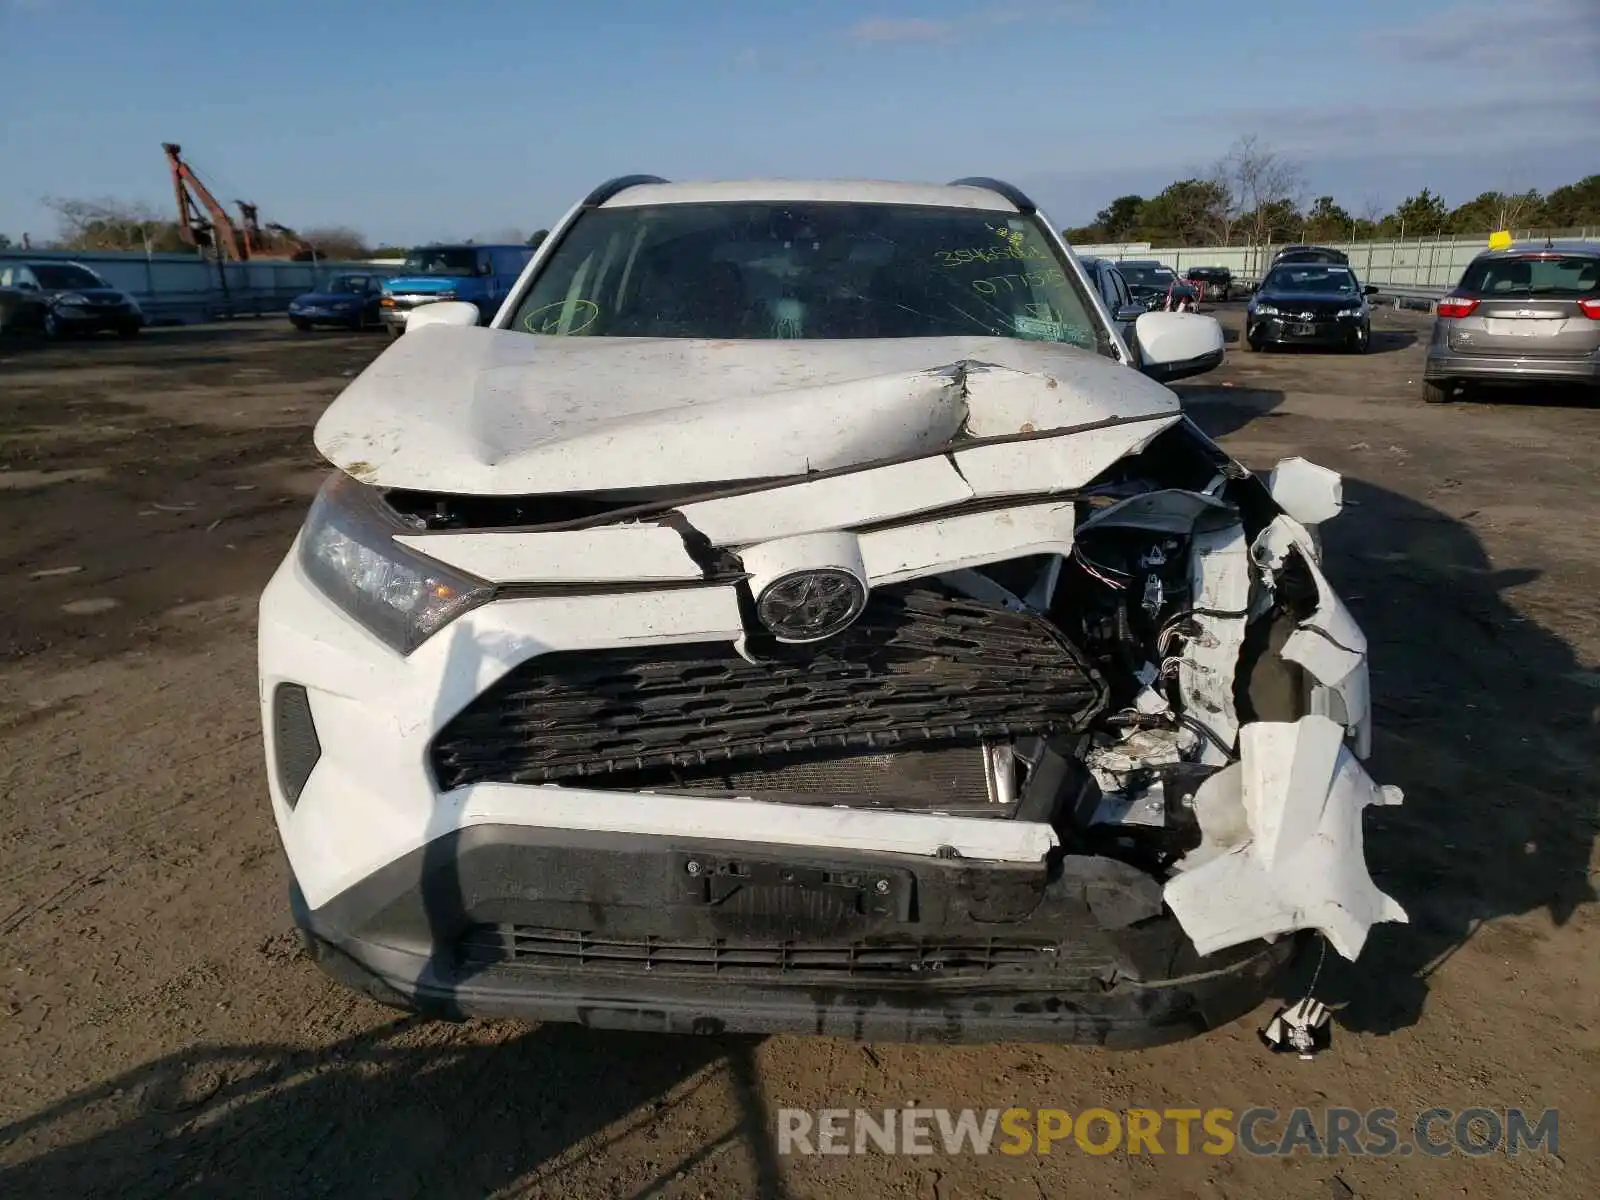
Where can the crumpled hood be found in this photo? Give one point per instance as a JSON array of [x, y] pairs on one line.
[[477, 411]]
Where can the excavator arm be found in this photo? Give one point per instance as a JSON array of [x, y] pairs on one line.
[[214, 228]]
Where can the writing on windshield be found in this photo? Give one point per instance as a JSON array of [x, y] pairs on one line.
[[809, 270]]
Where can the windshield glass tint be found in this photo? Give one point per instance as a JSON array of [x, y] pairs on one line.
[[442, 262], [64, 275], [1311, 279], [1546, 275], [823, 270], [347, 284]]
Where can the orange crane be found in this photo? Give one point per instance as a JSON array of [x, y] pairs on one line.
[[204, 223]]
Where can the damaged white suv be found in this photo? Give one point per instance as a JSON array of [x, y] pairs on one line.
[[803, 609]]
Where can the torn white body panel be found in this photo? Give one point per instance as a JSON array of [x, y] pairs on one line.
[[1032, 465], [494, 412], [1329, 644], [1282, 846]]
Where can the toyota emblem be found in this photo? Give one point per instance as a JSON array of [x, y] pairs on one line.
[[807, 606]]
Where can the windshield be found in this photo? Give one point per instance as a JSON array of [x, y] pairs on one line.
[[1311, 279], [808, 270], [1148, 276], [442, 261], [53, 276], [352, 285], [1534, 275]]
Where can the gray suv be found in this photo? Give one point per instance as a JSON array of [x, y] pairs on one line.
[[1524, 314]]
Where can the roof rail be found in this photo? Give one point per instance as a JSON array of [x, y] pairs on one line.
[[1009, 191], [611, 187]]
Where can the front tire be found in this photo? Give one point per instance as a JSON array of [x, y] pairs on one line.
[[302, 326], [1360, 341], [128, 331], [52, 326], [1436, 391]]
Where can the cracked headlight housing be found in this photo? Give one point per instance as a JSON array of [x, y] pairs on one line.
[[347, 549]]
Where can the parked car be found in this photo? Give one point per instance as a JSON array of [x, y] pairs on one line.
[[477, 275], [1217, 282], [1310, 304], [1153, 283], [750, 629], [61, 298], [348, 298], [1311, 254], [1113, 288], [1525, 314]]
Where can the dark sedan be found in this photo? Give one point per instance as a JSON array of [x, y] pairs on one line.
[[1310, 304], [347, 300], [60, 298]]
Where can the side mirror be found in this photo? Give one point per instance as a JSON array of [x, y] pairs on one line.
[[460, 313], [26, 285], [1369, 290], [1176, 345]]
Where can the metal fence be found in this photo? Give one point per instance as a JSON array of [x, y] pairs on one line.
[[185, 288]]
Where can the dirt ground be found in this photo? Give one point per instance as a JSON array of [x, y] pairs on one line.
[[160, 1033]]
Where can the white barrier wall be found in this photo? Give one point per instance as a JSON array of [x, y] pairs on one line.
[[1414, 262]]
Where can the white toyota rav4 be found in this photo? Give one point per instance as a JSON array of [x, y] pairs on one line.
[[802, 609]]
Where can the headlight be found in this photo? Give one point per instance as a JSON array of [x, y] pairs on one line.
[[1349, 312], [1266, 310], [347, 548], [71, 300]]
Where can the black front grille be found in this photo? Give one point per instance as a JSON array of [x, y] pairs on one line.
[[908, 957], [917, 669]]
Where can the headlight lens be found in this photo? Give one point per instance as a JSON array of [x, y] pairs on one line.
[[71, 300], [1266, 310], [1349, 312], [347, 548]]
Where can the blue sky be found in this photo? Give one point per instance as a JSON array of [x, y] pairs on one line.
[[421, 119]]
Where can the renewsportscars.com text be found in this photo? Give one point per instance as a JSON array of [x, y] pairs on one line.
[[1259, 1132]]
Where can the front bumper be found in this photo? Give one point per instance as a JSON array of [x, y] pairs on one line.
[[94, 320], [391, 874], [326, 316], [485, 923], [1288, 332], [1444, 363]]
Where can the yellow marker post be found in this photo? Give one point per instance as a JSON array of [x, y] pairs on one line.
[[1500, 239]]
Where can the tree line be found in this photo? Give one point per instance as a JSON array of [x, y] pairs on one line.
[[90, 225], [1256, 196]]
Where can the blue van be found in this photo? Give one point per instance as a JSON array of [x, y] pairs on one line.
[[479, 274]]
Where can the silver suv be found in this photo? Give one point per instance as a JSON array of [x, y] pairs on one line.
[[1521, 314]]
